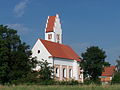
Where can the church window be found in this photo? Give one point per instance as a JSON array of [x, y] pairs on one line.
[[58, 37], [64, 72], [70, 73], [57, 72], [49, 36], [38, 51], [80, 76]]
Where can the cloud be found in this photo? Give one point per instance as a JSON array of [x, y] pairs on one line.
[[20, 8], [27, 34], [20, 28]]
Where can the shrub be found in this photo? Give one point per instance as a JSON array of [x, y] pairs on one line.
[[88, 82], [116, 78], [72, 82]]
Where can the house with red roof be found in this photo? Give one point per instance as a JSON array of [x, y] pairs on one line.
[[62, 57], [108, 74]]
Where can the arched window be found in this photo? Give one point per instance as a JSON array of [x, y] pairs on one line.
[[58, 37], [57, 72], [70, 73], [64, 72]]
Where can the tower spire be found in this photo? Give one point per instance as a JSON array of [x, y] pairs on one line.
[[53, 30]]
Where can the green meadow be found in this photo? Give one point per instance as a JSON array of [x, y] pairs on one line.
[[61, 87]]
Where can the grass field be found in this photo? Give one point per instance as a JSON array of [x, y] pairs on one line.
[[61, 87]]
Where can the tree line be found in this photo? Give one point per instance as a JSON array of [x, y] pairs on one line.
[[16, 63]]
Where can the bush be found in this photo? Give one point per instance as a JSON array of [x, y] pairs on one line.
[[116, 79], [88, 82], [72, 82]]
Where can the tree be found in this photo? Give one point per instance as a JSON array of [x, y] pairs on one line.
[[46, 71], [118, 64], [106, 64], [15, 57], [116, 78], [93, 62]]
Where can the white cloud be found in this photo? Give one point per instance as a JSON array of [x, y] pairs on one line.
[[27, 34], [20, 8], [19, 27]]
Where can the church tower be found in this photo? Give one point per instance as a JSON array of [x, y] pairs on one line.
[[53, 30]]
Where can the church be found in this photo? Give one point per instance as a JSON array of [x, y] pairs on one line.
[[62, 57]]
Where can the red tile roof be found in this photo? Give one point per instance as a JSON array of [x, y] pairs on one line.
[[50, 24], [109, 71], [60, 50]]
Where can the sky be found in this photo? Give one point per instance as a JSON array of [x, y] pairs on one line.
[[85, 23]]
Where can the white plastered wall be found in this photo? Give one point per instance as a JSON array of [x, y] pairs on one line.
[[44, 54], [56, 30], [53, 36], [67, 62], [75, 70]]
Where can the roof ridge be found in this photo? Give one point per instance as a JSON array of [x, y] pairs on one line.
[[60, 50], [54, 42]]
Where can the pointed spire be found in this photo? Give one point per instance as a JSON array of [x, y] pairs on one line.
[[53, 31], [50, 24]]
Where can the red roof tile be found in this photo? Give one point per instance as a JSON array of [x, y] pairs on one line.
[[60, 50], [109, 71], [50, 24]]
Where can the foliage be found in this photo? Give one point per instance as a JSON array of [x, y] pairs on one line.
[[106, 64], [71, 82], [93, 62], [44, 76], [46, 82], [118, 64], [61, 87], [116, 78], [15, 57], [89, 82], [46, 71]]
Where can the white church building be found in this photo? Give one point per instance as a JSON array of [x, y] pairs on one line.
[[62, 57]]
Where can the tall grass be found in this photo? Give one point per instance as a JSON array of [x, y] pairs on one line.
[[61, 87]]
